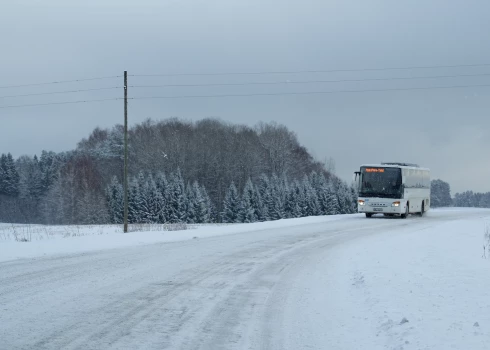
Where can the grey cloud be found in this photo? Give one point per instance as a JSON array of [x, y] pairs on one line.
[[57, 40]]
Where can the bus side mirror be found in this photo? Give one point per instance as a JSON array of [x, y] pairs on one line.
[[355, 180]]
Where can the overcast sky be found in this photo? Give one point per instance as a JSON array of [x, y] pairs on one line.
[[447, 130]]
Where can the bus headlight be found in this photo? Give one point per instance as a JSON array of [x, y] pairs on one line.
[[395, 204], [360, 201]]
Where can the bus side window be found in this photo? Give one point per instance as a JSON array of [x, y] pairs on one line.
[[410, 178], [405, 178]]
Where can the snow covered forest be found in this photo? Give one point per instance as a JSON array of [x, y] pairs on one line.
[[472, 199], [441, 197], [207, 171], [440, 194]]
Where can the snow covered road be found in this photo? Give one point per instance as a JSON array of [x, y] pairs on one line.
[[341, 284]]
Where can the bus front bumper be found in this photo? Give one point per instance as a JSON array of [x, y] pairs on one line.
[[393, 210]]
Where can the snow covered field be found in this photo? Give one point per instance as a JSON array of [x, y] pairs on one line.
[[40, 240], [421, 287], [341, 282]]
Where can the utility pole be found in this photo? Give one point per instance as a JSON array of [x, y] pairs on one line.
[[125, 151]]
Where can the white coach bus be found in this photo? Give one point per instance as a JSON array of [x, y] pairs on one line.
[[393, 189]]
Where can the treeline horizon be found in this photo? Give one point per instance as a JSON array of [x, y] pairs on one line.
[[210, 155], [441, 197], [261, 169]]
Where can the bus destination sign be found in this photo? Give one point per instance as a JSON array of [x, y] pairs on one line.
[[375, 170]]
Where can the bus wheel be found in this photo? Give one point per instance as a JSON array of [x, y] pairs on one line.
[[369, 215], [404, 216], [422, 210]]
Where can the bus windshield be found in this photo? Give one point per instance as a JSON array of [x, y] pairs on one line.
[[381, 182]]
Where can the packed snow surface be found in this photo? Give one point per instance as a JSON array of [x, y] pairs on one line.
[[343, 282]]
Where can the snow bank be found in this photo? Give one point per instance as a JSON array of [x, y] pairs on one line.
[[57, 240], [415, 289]]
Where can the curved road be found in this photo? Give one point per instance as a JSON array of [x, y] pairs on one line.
[[226, 292]]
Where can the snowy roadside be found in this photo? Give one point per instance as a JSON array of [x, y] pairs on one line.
[[415, 289], [60, 240]]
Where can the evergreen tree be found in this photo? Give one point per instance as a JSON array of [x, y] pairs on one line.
[[201, 211], [231, 205], [30, 191], [323, 199], [314, 179], [115, 200], [53, 205], [320, 184], [134, 202], [30, 178], [464, 199], [315, 182], [264, 191], [332, 204], [34, 180], [354, 197], [157, 205], [163, 188], [278, 198], [207, 208], [293, 198], [3, 174], [440, 194], [13, 176], [485, 200], [177, 199], [151, 201], [258, 205], [472, 199], [311, 207], [192, 205], [141, 198], [9, 177], [289, 203], [248, 207], [301, 205], [49, 166], [344, 198]]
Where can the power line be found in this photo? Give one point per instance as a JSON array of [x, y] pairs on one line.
[[311, 81], [61, 103], [248, 95], [60, 82], [62, 92], [244, 73], [310, 71], [308, 93]]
